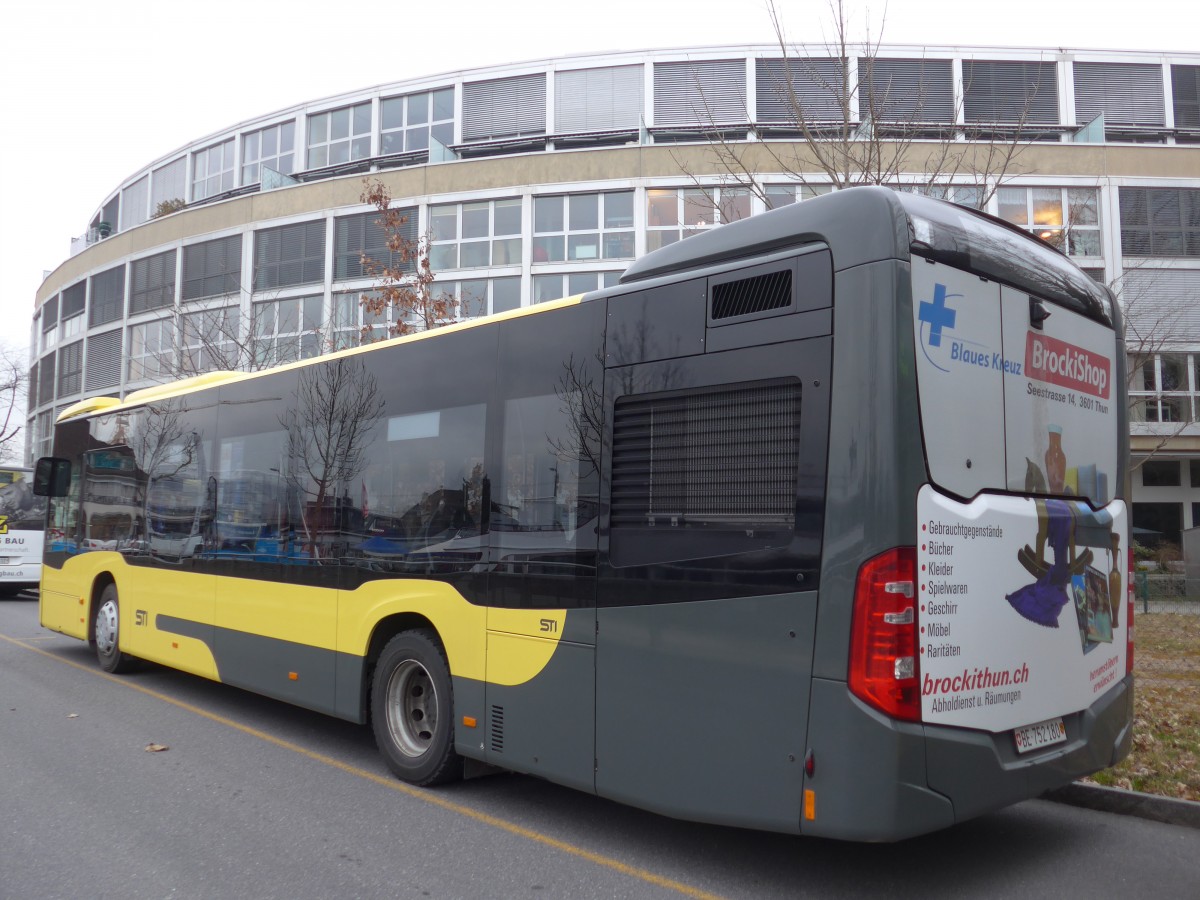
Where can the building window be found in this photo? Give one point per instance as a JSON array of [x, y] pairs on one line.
[[208, 340], [293, 254], [568, 284], [471, 235], [700, 94], [44, 441], [362, 235], [1067, 218], [1160, 391], [1160, 473], [787, 88], [74, 299], [339, 136], [271, 147], [152, 282], [408, 122], [46, 379], [1021, 93], [907, 91], [212, 268], [1185, 93], [168, 184], [672, 214], [287, 330], [50, 323], [602, 99], [1154, 523], [212, 170], [583, 227], [70, 369], [151, 350], [778, 195], [108, 296], [504, 107], [1160, 221], [476, 297], [104, 360]]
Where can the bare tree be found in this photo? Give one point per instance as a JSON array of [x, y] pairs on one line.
[[844, 132], [14, 380], [335, 407], [404, 283]]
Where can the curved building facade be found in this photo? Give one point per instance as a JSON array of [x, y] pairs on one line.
[[538, 180]]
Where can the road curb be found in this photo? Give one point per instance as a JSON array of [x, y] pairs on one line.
[[1129, 803]]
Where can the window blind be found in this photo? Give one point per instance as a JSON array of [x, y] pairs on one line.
[[906, 90], [999, 91], [705, 92], [1126, 93], [598, 99], [813, 84], [504, 107]]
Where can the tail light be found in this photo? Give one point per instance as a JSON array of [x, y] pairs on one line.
[[1129, 619], [884, 671]]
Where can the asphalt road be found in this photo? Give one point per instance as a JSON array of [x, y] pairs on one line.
[[255, 799]]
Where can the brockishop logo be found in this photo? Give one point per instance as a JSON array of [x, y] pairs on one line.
[[1066, 365]]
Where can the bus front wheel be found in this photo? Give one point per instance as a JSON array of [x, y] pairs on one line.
[[108, 634], [412, 710]]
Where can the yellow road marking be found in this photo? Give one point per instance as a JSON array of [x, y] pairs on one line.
[[424, 795]]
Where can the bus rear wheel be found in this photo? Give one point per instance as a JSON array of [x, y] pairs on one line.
[[412, 710], [108, 634]]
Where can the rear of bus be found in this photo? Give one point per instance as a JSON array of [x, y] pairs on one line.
[[976, 539], [22, 520]]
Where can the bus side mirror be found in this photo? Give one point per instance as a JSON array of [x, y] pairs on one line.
[[52, 477]]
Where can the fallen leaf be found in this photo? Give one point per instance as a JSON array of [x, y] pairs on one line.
[[156, 748]]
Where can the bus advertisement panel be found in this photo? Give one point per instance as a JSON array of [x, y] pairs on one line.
[[1022, 597]]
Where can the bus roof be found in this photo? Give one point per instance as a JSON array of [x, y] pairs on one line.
[[867, 224], [107, 404]]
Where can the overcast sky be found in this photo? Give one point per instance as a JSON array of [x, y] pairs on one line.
[[92, 91]]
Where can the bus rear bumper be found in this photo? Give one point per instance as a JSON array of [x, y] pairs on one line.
[[980, 771], [877, 779]]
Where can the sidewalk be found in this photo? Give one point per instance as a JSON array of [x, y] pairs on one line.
[[1129, 803]]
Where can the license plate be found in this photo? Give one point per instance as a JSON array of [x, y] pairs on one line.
[[1040, 734]]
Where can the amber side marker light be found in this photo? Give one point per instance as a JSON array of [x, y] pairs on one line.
[[469, 721], [810, 805], [293, 676], [884, 647]]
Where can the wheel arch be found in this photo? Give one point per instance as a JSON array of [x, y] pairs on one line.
[[386, 629], [99, 583]]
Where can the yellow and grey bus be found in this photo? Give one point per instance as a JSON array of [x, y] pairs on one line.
[[813, 523]]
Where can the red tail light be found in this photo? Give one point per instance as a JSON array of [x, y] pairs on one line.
[[1129, 618], [884, 669]]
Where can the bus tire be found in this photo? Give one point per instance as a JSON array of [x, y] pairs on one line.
[[108, 634], [412, 710]]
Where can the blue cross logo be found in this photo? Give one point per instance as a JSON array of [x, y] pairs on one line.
[[936, 314]]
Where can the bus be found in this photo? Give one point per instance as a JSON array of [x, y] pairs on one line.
[[814, 523], [22, 526]]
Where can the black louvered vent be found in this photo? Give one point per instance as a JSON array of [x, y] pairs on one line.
[[756, 294], [497, 729], [722, 456]]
